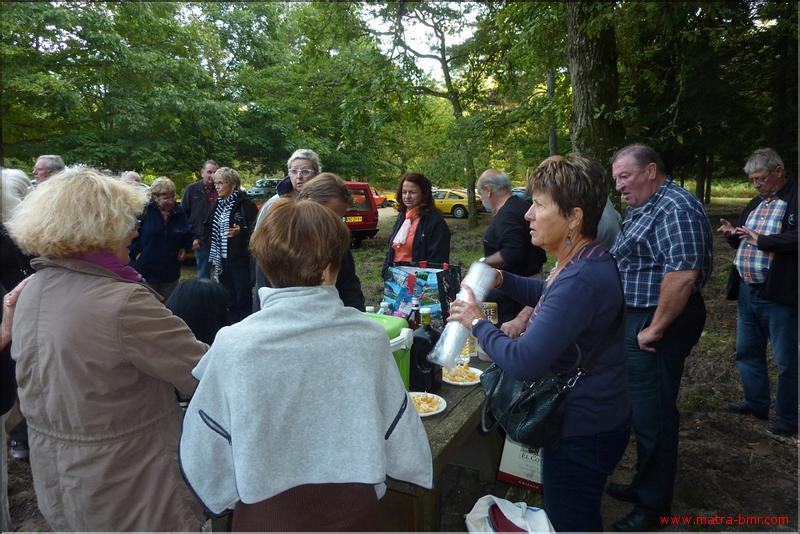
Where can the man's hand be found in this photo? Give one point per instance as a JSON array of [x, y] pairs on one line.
[[196, 244], [647, 337], [726, 228], [515, 327], [234, 231], [747, 235]]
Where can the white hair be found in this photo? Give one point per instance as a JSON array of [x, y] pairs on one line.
[[15, 186]]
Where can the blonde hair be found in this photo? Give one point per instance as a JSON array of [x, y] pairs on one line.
[[162, 186], [78, 211]]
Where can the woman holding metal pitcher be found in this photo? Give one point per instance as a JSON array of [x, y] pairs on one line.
[[578, 312]]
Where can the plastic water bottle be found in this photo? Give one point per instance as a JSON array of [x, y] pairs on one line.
[[480, 279], [384, 309]]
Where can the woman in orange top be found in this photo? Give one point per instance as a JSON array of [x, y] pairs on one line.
[[420, 233]]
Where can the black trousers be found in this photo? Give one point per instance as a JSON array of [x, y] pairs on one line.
[[236, 278]]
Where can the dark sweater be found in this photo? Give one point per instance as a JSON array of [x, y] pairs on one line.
[[781, 283], [508, 233], [195, 204], [581, 306], [159, 242], [431, 240]]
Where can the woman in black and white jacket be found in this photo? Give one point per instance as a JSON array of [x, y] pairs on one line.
[[232, 223]]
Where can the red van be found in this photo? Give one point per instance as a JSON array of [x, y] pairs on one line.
[[362, 214]]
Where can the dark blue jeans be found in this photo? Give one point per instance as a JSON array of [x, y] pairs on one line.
[[653, 381], [574, 475], [201, 259], [760, 320]]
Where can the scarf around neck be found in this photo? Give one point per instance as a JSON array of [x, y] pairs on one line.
[[109, 260], [402, 234], [219, 231]]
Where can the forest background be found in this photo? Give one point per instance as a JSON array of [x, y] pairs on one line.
[[159, 87]]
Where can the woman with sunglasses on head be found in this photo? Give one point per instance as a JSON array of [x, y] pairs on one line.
[[98, 360]]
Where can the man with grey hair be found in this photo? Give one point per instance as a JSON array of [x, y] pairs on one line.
[[763, 278], [131, 177], [664, 260], [46, 166], [507, 240]]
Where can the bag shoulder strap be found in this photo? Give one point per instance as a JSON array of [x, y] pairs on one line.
[[584, 363]]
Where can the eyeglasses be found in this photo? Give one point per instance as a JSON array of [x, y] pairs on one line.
[[305, 173], [219, 184]]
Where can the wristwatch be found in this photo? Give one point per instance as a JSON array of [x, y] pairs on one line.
[[473, 323]]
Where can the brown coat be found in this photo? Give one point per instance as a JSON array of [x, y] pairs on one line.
[[98, 358]]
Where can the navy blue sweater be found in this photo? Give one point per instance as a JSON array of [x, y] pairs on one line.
[[581, 306], [155, 252]]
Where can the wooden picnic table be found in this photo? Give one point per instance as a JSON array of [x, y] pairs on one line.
[[406, 507]]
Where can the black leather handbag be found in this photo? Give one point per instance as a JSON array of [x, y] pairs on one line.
[[532, 411]]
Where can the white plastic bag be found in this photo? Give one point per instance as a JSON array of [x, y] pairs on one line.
[[525, 517]]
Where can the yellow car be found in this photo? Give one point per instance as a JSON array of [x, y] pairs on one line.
[[454, 202]]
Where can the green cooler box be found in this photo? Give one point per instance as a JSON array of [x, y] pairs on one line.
[[400, 339]]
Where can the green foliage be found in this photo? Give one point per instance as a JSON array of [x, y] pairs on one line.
[[161, 86]]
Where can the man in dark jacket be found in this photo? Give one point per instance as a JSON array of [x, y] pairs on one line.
[[199, 201], [764, 280], [507, 240]]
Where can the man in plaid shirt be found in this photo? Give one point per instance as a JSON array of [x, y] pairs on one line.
[[664, 259], [764, 280]]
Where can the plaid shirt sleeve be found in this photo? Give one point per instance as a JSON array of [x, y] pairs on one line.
[[681, 241]]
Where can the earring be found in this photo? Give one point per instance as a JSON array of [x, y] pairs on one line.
[[569, 238]]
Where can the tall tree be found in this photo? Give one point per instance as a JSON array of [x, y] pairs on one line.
[[442, 21], [594, 128]]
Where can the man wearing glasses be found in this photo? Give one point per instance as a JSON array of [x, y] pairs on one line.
[[763, 279]]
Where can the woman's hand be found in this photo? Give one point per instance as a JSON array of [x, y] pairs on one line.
[[234, 231], [9, 305], [466, 312]]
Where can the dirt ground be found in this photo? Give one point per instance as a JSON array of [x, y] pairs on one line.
[[729, 465]]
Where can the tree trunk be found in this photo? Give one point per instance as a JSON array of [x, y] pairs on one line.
[[595, 84], [551, 92], [702, 170]]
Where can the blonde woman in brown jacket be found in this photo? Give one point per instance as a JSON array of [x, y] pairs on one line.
[[98, 358]]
